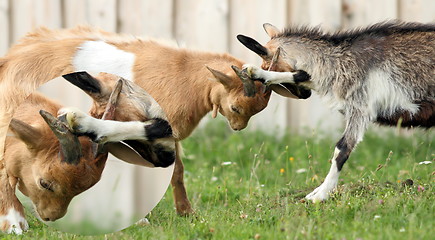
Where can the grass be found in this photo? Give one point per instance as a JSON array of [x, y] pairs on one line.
[[250, 185]]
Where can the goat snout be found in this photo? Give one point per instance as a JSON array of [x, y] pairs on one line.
[[51, 215], [238, 126]]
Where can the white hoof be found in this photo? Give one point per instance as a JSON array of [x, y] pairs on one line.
[[75, 118], [15, 222], [319, 194]]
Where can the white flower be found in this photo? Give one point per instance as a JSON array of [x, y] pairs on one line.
[[214, 179], [226, 163], [376, 217], [402, 229], [302, 170], [425, 162]]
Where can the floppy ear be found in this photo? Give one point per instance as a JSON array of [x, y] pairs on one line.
[[271, 30], [222, 78], [31, 136]]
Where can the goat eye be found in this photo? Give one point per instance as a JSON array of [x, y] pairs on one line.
[[45, 184], [234, 109]]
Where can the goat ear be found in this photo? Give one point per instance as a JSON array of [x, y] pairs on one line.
[[85, 82], [215, 111], [31, 136], [253, 45], [221, 77], [271, 30]]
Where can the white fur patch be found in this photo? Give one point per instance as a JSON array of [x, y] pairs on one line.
[[322, 192], [99, 56], [384, 97], [106, 130], [15, 221], [269, 76]]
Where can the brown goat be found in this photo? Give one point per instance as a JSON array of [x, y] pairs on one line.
[[178, 79], [51, 165], [41, 147]]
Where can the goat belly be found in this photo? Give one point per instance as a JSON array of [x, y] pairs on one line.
[[425, 117]]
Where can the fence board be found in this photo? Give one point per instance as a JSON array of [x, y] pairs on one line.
[[147, 18], [417, 10], [99, 13], [4, 26], [202, 24], [364, 12], [37, 13]]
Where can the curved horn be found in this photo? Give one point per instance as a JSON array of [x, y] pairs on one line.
[[109, 114], [274, 61], [248, 84], [70, 147], [254, 46]]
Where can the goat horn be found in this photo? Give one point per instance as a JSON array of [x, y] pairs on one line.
[[274, 61], [109, 113], [70, 147], [248, 84]]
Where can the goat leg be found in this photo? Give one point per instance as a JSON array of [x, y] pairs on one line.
[[12, 218], [355, 128], [181, 200], [270, 77]]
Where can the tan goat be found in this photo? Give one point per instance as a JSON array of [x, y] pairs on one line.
[[51, 165], [178, 79], [47, 162]]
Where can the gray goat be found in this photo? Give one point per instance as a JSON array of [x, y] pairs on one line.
[[384, 73]]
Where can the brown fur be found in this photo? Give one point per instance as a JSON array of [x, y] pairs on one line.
[[176, 78], [29, 160]]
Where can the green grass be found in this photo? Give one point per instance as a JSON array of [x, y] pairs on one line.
[[259, 195]]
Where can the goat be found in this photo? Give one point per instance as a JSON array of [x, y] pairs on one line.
[[178, 79], [384, 73], [47, 162], [52, 172]]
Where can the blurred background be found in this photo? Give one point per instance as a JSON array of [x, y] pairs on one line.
[[209, 25]]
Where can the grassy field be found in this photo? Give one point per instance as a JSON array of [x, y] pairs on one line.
[[250, 185]]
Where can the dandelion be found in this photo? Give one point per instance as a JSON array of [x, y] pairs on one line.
[[281, 170], [291, 159]]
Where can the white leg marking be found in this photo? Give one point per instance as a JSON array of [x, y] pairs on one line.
[[106, 130], [99, 56], [322, 192], [17, 222], [269, 77]]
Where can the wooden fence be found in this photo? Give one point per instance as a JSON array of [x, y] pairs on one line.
[[208, 25], [212, 25]]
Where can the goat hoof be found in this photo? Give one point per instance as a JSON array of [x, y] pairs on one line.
[[72, 116], [14, 222], [318, 195]]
